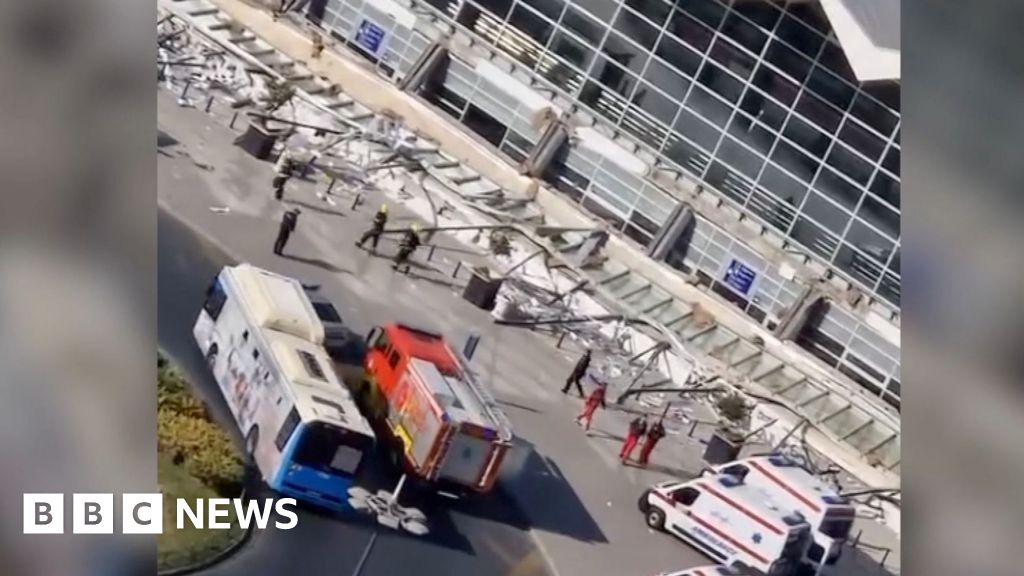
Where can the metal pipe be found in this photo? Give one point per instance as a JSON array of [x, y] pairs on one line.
[[643, 370], [680, 391], [524, 261], [271, 117], [752, 433], [573, 320], [579, 285], [782, 441]]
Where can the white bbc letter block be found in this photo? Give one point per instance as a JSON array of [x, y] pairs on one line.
[[142, 513], [92, 514], [43, 514]]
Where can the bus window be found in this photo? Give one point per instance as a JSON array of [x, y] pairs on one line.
[[287, 429], [331, 449], [215, 299]]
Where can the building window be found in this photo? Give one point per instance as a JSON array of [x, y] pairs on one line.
[[484, 124], [656, 11], [677, 54], [689, 30], [581, 23], [745, 33], [636, 28], [799, 36]]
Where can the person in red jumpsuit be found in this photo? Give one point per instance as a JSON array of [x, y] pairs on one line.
[[637, 429], [595, 399], [657, 432]]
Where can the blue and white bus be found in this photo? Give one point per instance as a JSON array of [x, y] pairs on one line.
[[263, 342]]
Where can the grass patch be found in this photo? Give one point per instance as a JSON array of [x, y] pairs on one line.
[[188, 546], [196, 459]]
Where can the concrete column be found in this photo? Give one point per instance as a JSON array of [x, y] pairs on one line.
[[809, 305], [555, 135], [429, 63], [675, 232]]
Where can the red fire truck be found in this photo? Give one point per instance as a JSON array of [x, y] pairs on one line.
[[445, 425]]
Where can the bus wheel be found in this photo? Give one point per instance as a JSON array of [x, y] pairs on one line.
[[655, 518], [252, 439]]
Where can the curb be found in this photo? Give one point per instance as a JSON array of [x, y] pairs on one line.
[[216, 558]]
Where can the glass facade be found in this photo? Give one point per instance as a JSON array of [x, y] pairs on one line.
[[753, 97]]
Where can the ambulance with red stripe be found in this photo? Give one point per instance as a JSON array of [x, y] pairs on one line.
[[830, 516], [709, 571], [730, 522]]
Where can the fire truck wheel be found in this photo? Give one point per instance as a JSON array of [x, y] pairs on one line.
[[655, 518], [252, 440]]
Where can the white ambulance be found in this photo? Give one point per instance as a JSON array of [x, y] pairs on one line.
[[709, 571], [729, 522], [830, 515]]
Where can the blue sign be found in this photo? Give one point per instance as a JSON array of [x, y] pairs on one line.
[[739, 277], [370, 36]]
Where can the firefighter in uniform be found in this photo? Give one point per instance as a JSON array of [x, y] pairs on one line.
[[410, 242], [380, 220]]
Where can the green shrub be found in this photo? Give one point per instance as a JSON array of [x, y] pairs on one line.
[[186, 433]]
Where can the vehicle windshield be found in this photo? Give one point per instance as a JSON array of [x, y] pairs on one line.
[[837, 528], [795, 544], [331, 449]]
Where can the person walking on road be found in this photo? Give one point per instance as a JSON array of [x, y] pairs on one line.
[[288, 223], [595, 400], [657, 432], [637, 429], [380, 220], [578, 372], [282, 172], [410, 242]]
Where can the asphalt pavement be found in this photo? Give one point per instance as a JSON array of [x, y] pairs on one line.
[[571, 510]]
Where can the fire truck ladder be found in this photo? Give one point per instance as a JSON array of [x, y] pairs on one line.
[[490, 405]]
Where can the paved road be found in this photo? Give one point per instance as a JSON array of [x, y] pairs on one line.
[[322, 544], [573, 505]]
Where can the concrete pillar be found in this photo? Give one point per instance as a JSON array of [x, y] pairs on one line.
[[809, 305], [429, 63], [675, 232], [555, 135]]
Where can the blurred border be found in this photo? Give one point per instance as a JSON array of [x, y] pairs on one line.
[[77, 272], [963, 76]]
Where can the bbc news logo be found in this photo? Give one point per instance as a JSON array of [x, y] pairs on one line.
[[143, 513]]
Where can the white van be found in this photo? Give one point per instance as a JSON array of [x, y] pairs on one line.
[[730, 523], [830, 515], [709, 571]]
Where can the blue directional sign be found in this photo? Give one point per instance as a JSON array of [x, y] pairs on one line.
[[370, 36], [739, 277]]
